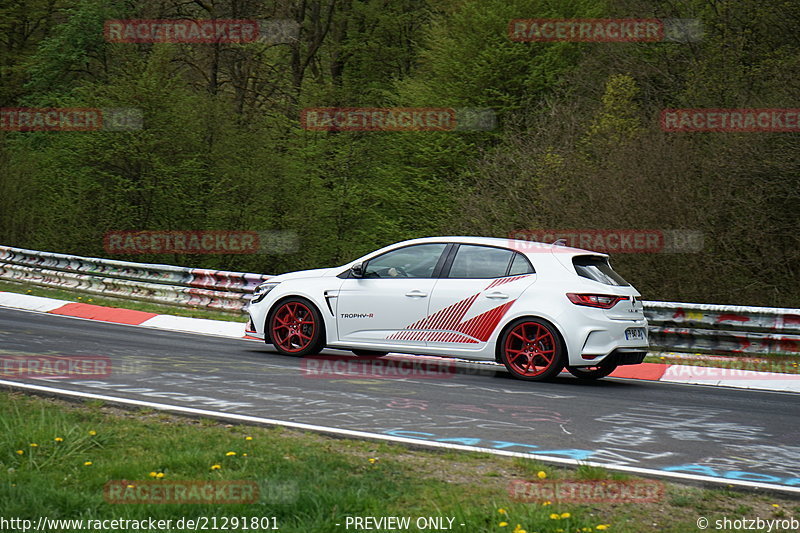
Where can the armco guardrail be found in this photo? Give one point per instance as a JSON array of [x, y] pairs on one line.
[[730, 329], [167, 284], [673, 326]]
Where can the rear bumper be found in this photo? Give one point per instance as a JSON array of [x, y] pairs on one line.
[[625, 356]]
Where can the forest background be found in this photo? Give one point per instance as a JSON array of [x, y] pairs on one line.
[[577, 144]]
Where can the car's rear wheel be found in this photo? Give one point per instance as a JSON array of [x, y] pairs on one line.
[[296, 327], [531, 349], [591, 372], [368, 353]]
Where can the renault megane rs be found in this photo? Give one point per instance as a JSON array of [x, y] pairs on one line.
[[536, 308]]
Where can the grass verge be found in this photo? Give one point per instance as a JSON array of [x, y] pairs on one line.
[[56, 457]]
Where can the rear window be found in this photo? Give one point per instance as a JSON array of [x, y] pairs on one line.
[[597, 268]]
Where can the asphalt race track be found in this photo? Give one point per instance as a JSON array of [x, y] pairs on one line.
[[738, 437]]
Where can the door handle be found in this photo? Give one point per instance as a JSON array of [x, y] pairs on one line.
[[416, 294], [497, 295]]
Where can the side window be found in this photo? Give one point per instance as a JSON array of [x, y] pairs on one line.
[[480, 262], [520, 265], [416, 261]]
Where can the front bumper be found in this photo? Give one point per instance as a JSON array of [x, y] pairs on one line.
[[250, 330]]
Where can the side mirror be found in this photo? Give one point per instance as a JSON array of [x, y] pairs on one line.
[[357, 270]]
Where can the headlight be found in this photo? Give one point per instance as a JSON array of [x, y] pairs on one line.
[[261, 291]]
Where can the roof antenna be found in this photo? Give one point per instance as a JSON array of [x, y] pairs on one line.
[[560, 242]]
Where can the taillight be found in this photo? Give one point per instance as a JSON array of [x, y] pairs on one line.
[[603, 301]]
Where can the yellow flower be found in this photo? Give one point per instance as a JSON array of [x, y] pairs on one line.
[[58, 439], [153, 474], [503, 524], [87, 463], [248, 438], [502, 511], [775, 505], [545, 503], [555, 516], [34, 445], [542, 474], [20, 452], [215, 467], [131, 486], [244, 455], [565, 515], [372, 460], [230, 453], [92, 433], [602, 527], [160, 475], [519, 529]]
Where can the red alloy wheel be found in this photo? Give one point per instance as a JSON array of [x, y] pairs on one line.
[[532, 351], [293, 327]]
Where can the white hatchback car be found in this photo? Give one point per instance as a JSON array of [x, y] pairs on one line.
[[534, 307]]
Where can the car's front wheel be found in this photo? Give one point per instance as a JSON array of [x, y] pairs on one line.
[[531, 349], [296, 327], [591, 372]]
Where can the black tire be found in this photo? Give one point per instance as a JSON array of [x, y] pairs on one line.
[[368, 353], [296, 327], [591, 372], [531, 359]]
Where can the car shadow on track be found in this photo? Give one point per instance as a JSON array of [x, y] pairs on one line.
[[342, 364]]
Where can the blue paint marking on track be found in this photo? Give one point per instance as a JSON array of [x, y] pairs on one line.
[[573, 453], [582, 455], [733, 474]]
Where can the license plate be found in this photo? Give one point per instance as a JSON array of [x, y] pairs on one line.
[[635, 334]]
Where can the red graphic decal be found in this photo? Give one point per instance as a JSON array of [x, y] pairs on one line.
[[503, 281], [450, 318], [482, 326]]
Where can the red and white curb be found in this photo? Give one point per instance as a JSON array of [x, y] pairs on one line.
[[689, 374]]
